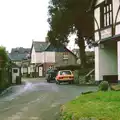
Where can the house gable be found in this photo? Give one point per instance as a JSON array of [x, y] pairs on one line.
[[39, 46]]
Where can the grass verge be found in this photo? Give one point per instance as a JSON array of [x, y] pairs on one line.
[[93, 106]]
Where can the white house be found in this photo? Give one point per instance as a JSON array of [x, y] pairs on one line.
[[107, 36]]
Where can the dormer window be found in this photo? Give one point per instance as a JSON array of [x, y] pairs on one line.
[[106, 13]]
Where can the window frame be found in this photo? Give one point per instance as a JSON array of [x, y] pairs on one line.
[[106, 12], [65, 55]]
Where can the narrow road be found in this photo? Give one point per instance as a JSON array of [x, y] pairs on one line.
[[37, 100]]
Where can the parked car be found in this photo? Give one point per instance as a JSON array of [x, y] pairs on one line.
[[51, 75], [65, 76]]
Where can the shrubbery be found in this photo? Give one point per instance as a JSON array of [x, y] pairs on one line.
[[3, 68], [103, 86], [4, 56]]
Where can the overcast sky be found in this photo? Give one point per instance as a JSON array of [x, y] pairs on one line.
[[21, 21]]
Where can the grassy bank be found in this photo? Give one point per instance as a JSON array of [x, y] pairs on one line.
[[98, 106]]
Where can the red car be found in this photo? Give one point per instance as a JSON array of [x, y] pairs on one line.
[[65, 76]]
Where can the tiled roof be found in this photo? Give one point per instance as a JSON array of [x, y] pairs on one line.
[[61, 48], [18, 54], [40, 46]]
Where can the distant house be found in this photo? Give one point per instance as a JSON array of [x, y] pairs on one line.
[[37, 58], [44, 55], [21, 57]]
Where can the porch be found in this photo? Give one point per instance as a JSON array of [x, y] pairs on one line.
[[107, 61]]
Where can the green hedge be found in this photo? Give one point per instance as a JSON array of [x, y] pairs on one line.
[[4, 78], [4, 56], [69, 67]]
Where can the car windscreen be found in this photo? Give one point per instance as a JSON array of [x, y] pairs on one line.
[[65, 73]]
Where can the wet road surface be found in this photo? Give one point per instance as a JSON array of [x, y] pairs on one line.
[[37, 100]]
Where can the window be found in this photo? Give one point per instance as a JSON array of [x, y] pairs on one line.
[[65, 73], [65, 55], [106, 13], [15, 70]]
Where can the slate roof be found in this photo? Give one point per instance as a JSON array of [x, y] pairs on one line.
[[44, 46], [62, 48], [39, 46], [18, 54]]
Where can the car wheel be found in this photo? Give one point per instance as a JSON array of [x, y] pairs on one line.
[[57, 82], [69, 82], [72, 82], [48, 81]]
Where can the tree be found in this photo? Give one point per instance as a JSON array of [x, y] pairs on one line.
[[3, 64], [3, 56], [69, 16]]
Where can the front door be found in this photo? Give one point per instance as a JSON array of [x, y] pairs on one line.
[[40, 71]]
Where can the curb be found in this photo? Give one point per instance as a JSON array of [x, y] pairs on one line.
[[5, 91]]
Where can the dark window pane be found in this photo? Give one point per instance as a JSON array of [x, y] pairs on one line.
[[65, 73], [15, 70]]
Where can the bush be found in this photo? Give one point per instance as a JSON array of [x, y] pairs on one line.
[[68, 67], [103, 86], [4, 56]]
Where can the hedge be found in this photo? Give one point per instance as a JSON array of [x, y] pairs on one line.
[[69, 67]]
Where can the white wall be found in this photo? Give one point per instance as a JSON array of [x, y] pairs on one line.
[[118, 52], [14, 75], [33, 56], [29, 70], [39, 57], [105, 62], [49, 57], [115, 9], [97, 16], [99, 1]]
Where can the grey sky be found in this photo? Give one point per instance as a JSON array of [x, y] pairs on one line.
[[24, 20], [21, 21]]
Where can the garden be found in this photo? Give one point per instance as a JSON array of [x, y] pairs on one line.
[[103, 104]]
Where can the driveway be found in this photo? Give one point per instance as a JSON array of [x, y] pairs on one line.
[[37, 100]]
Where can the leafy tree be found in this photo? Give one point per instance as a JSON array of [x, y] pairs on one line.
[[3, 64], [67, 17], [4, 56]]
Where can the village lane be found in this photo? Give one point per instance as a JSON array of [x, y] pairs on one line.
[[37, 100]]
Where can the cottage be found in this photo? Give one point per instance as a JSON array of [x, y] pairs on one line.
[[107, 36], [21, 57]]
